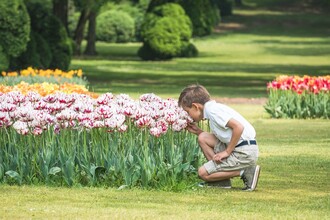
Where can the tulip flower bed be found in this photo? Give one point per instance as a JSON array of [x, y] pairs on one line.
[[32, 76], [46, 88], [299, 97], [75, 139], [44, 82]]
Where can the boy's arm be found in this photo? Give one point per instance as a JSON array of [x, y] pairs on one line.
[[237, 129], [193, 128]]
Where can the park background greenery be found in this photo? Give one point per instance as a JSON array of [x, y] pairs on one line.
[[248, 49]]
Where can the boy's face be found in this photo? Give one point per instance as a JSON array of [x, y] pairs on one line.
[[195, 112]]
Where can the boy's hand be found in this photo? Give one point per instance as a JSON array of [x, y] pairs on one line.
[[220, 156], [193, 128]]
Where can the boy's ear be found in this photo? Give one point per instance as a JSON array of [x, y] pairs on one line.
[[198, 106], [195, 105]]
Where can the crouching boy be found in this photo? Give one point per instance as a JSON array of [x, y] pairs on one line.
[[230, 148]]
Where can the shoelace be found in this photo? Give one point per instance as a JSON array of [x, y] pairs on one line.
[[245, 180]]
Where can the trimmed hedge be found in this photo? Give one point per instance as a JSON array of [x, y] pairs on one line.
[[166, 33], [204, 14], [115, 26], [14, 27]]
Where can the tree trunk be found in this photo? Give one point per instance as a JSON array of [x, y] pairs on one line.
[[79, 32], [60, 10], [90, 48]]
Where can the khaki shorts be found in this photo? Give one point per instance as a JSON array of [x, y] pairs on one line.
[[239, 159]]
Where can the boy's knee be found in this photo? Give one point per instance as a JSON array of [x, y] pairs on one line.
[[202, 137], [202, 173]]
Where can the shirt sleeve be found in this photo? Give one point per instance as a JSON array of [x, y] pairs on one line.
[[220, 117]]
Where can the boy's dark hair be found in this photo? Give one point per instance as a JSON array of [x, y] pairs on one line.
[[193, 94]]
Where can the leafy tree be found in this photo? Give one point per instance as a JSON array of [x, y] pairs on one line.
[[60, 10], [89, 10], [91, 37], [91, 34]]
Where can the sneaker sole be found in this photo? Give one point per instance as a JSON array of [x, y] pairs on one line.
[[220, 187], [255, 178], [205, 185]]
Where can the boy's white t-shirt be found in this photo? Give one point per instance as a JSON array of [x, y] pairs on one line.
[[219, 114]]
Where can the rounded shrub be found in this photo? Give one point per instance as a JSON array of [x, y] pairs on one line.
[[189, 50], [166, 33], [204, 14], [29, 57], [14, 27], [114, 26]]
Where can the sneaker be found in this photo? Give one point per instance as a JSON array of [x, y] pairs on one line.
[[225, 184], [250, 177]]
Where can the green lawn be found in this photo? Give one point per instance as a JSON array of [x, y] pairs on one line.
[[249, 50], [294, 184]]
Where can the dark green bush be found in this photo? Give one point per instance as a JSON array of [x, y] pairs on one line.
[[37, 54], [225, 7], [166, 33], [4, 62], [14, 27], [29, 57], [43, 50], [54, 46], [59, 43], [136, 10], [114, 26], [204, 14], [50, 46], [189, 50]]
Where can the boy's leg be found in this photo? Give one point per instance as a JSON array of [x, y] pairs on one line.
[[240, 163], [216, 176], [207, 142]]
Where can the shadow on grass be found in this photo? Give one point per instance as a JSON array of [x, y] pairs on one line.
[[123, 70], [220, 78], [279, 23], [306, 51]]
